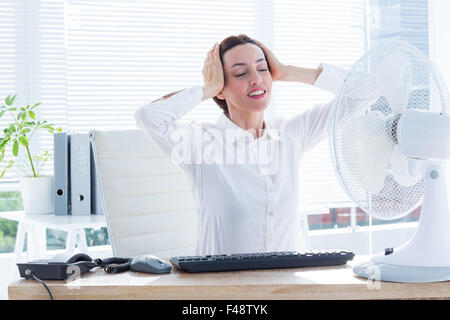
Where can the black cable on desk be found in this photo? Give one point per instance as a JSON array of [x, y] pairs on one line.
[[43, 283], [114, 264]]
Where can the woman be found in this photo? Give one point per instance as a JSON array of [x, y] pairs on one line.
[[246, 199]]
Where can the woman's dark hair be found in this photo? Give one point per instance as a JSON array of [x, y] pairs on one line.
[[227, 44]]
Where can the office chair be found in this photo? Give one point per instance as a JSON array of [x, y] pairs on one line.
[[147, 199]]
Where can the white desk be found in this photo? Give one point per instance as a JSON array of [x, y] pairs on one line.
[[36, 226]]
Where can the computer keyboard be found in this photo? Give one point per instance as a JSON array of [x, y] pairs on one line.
[[266, 260]]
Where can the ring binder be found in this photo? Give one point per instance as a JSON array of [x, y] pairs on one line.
[[61, 143], [77, 188], [80, 174]]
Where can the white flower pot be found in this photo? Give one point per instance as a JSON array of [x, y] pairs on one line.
[[37, 194]]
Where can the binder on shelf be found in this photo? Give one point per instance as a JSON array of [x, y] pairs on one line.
[[96, 201], [80, 174], [61, 143], [87, 194]]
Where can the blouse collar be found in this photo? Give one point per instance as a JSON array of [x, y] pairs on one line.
[[225, 123]]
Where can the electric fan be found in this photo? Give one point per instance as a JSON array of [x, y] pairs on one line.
[[389, 137]]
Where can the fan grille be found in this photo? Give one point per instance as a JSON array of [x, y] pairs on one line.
[[359, 97]]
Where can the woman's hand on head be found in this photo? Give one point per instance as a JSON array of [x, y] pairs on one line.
[[213, 77], [277, 69]]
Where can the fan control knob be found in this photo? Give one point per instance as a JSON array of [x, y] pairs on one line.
[[434, 174]]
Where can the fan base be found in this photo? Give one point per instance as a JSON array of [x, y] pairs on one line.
[[425, 257], [400, 273]]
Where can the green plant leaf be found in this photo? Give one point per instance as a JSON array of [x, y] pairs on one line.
[[31, 114], [4, 142], [15, 148], [26, 130], [2, 113], [12, 127], [29, 124], [23, 140], [3, 172], [58, 129], [34, 106], [10, 163], [12, 109], [10, 100], [13, 99]]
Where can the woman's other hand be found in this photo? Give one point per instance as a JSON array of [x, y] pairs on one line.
[[213, 77], [277, 69], [282, 72]]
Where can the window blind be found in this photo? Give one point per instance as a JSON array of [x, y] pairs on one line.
[[94, 62], [7, 64], [32, 62], [400, 20], [307, 33], [125, 53]]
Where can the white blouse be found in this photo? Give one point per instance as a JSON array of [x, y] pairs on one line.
[[245, 189]]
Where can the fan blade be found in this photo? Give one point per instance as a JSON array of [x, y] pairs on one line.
[[400, 169], [393, 77], [378, 153], [367, 150]]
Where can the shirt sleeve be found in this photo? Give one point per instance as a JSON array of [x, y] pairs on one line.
[[310, 127], [160, 120]]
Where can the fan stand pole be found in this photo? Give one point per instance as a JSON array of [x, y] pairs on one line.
[[426, 256]]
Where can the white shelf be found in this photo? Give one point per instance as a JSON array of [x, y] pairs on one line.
[[57, 222]]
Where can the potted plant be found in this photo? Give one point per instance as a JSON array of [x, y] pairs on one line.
[[36, 189]]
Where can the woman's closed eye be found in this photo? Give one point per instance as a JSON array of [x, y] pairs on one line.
[[240, 75]]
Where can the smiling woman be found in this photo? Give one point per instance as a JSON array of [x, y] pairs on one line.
[[242, 167], [240, 69]]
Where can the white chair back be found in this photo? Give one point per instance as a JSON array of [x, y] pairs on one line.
[[147, 199]]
